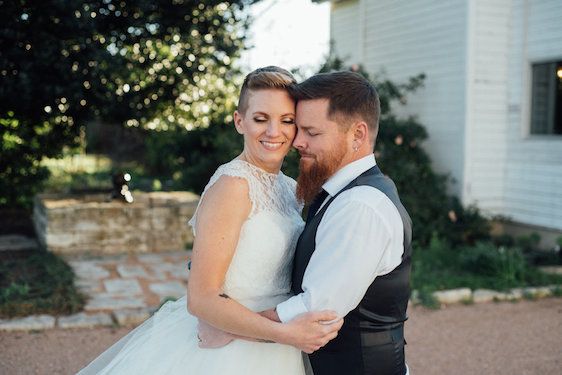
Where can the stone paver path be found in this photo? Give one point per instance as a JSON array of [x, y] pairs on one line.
[[126, 288], [131, 280]]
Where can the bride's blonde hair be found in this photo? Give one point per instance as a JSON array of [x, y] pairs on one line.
[[269, 77]]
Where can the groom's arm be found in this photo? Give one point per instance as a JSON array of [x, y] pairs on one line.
[[352, 247]]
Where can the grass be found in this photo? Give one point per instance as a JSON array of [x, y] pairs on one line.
[[40, 283], [483, 266], [75, 173], [78, 171]]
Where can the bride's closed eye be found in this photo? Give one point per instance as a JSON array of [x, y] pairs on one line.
[[289, 121]]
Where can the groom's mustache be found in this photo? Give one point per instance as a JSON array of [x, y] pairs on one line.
[[302, 154]]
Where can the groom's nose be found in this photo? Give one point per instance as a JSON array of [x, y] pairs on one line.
[[298, 142]]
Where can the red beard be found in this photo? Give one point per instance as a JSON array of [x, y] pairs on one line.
[[313, 176]]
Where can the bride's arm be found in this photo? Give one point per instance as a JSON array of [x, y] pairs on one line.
[[220, 217]]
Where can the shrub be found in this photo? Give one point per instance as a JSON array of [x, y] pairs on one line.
[[192, 156], [41, 283], [484, 265], [506, 265]]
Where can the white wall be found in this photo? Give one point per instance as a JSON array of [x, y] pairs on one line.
[[477, 56], [411, 37], [345, 28], [486, 117], [533, 181]]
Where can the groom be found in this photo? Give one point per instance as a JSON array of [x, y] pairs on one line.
[[354, 254]]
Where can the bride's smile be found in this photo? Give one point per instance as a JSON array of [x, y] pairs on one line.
[[272, 146]]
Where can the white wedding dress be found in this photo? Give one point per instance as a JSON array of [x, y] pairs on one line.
[[259, 277]]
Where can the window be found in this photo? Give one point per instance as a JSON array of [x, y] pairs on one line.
[[546, 100]]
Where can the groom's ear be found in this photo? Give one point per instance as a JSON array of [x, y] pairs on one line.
[[238, 122], [360, 132]]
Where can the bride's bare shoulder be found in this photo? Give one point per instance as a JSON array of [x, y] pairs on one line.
[[229, 194], [229, 187]]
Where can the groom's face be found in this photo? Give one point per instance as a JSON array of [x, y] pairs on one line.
[[322, 144]]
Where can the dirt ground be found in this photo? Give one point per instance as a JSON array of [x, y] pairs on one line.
[[496, 338]]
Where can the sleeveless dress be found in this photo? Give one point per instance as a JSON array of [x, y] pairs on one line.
[[259, 277]]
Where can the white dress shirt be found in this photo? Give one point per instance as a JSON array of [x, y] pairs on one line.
[[359, 238]]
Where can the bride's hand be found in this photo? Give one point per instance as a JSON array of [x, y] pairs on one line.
[[211, 337], [311, 331]]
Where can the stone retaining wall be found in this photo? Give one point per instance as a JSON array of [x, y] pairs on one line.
[[93, 224]]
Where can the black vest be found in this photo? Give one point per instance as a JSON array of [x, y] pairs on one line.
[[384, 305]]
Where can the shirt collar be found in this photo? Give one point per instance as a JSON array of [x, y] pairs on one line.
[[345, 175]]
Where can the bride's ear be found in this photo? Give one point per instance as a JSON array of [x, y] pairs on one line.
[[238, 122]]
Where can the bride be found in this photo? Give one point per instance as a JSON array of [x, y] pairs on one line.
[[246, 227]]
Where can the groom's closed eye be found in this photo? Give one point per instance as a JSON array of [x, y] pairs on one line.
[[224, 295], [308, 130]]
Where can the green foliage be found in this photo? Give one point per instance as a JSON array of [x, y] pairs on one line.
[[93, 173], [152, 64], [73, 172], [192, 156], [484, 265], [39, 284], [528, 242], [21, 175], [506, 266]]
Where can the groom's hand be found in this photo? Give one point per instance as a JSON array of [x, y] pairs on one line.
[[311, 331]]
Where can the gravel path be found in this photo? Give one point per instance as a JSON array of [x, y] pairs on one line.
[[495, 338]]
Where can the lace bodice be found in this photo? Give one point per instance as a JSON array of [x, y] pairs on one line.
[[259, 275]]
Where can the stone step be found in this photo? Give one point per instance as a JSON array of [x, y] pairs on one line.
[[16, 242]]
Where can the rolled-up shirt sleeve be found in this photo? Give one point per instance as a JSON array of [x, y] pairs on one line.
[[352, 248]]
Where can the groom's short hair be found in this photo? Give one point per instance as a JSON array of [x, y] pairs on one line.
[[269, 77], [351, 97]]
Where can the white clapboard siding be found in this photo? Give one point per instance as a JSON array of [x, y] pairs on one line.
[[406, 38], [533, 185], [477, 56], [486, 126], [344, 25]]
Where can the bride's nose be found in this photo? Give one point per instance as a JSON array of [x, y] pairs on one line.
[[273, 129]]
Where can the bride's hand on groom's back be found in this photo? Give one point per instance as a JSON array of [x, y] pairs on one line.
[[311, 331]]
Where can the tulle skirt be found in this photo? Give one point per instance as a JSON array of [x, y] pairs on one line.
[[167, 343]]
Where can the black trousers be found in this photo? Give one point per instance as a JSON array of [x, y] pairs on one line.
[[379, 353]]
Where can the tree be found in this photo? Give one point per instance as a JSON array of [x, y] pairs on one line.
[[153, 64]]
